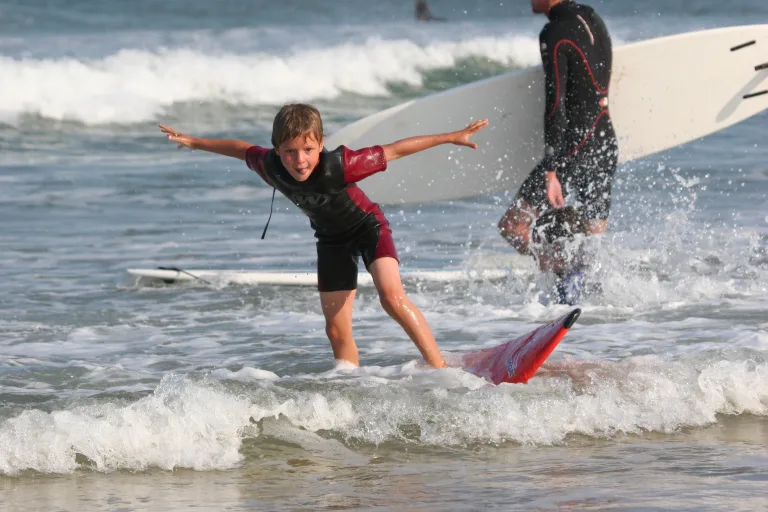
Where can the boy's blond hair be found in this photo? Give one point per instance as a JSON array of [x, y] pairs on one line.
[[296, 120]]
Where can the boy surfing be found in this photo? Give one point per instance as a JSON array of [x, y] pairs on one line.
[[347, 224]]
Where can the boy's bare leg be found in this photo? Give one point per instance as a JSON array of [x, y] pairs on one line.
[[337, 308], [386, 277]]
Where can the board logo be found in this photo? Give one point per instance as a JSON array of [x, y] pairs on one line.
[[310, 200], [511, 366]]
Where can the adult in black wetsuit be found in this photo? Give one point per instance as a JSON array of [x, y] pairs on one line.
[[581, 151]]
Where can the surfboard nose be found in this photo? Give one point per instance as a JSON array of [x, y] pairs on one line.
[[572, 318]]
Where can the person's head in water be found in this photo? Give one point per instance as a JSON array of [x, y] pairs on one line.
[[556, 240], [422, 11], [543, 6]]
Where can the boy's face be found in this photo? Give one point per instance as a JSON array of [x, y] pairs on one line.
[[300, 155]]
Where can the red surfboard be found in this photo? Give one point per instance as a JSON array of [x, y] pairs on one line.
[[516, 361]]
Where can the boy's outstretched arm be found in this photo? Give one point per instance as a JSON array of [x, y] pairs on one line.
[[226, 147], [411, 145]]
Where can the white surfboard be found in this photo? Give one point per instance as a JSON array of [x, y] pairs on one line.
[[664, 92], [303, 278]]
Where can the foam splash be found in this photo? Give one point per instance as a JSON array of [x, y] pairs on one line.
[[133, 86], [245, 375], [657, 251], [592, 398], [180, 425], [189, 423]]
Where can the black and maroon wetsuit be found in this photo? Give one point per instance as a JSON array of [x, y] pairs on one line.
[[580, 143], [347, 224]]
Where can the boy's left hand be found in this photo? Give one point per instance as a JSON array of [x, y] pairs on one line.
[[461, 137]]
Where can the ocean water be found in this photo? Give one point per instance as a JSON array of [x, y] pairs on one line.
[[117, 395]]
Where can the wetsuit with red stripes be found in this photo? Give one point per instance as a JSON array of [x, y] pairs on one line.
[[347, 224], [580, 143]]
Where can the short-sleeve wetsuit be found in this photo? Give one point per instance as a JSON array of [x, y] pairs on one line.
[[347, 224], [580, 142]]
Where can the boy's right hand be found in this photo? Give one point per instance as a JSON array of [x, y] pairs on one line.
[[184, 141]]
